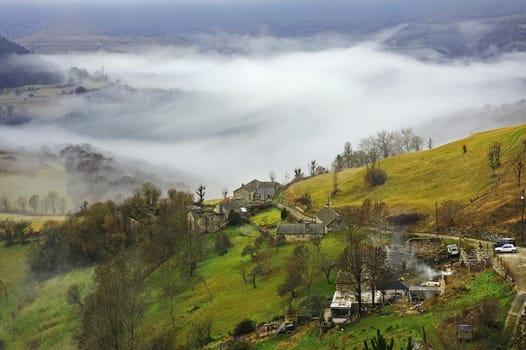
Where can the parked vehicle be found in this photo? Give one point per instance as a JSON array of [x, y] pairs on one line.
[[452, 249], [430, 284], [506, 248], [504, 241]]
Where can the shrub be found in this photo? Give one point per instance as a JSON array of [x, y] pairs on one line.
[[201, 334], [51, 253], [406, 219], [235, 218], [449, 213], [162, 342], [244, 327], [239, 345], [375, 177], [74, 294], [222, 244]]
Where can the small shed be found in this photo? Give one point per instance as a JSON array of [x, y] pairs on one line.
[[465, 332], [393, 290]]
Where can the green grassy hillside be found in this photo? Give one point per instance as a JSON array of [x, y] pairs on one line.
[[417, 180], [34, 314]]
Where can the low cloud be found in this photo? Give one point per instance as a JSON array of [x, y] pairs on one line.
[[230, 114]]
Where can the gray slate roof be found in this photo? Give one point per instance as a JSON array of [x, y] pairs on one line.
[[301, 229], [327, 215], [255, 184], [234, 204]]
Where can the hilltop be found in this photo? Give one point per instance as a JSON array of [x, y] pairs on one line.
[[8, 48], [419, 180], [19, 67]]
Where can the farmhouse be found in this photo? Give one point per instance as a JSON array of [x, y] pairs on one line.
[[200, 221], [228, 206], [394, 290], [344, 304], [329, 217], [301, 231], [257, 190]]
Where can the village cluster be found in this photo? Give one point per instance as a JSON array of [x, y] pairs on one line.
[[343, 308]]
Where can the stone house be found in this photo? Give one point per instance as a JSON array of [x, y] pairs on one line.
[[344, 304], [228, 206], [257, 190], [301, 231], [200, 221]]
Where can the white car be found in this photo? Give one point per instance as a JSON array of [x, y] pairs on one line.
[[506, 248], [452, 249]]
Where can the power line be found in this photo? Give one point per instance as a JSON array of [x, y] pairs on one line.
[[484, 126]]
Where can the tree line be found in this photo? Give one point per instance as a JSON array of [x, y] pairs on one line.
[[127, 242], [373, 148], [52, 203]]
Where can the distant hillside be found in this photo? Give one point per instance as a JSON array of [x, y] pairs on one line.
[[8, 48], [18, 67], [416, 181]]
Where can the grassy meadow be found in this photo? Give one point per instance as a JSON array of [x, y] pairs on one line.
[[37, 221], [34, 314], [419, 179]]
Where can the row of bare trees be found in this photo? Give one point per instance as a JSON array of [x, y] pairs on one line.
[[380, 146], [52, 203]]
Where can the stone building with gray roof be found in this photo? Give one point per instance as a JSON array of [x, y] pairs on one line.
[[257, 190], [301, 231]]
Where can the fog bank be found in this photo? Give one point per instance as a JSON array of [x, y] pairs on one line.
[[227, 117]]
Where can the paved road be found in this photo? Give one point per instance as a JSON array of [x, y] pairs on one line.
[[517, 265]]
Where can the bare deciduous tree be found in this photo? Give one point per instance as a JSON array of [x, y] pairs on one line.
[[353, 265], [34, 202], [200, 192], [384, 143], [21, 203], [376, 261], [494, 157], [347, 155], [312, 167]]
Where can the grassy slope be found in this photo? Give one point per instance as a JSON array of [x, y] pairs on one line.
[[417, 180], [35, 314], [231, 300]]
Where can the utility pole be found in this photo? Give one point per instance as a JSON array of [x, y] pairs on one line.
[[350, 228], [519, 172], [522, 216], [436, 218]]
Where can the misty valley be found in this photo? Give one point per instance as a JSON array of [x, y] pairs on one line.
[[259, 175]]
